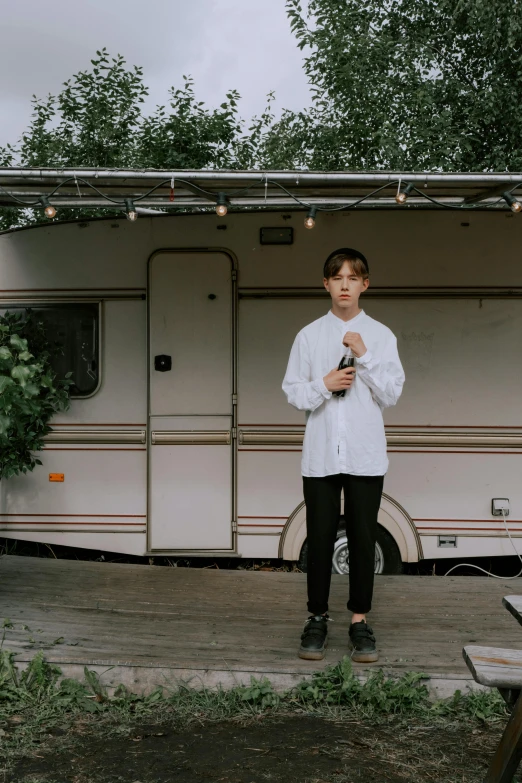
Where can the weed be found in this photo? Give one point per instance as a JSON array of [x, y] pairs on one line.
[[259, 693], [486, 706], [35, 700], [337, 685]]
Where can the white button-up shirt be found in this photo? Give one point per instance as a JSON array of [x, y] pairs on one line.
[[344, 434]]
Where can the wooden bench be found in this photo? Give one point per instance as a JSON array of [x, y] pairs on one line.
[[496, 667]]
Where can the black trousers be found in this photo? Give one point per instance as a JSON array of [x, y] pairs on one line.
[[362, 499]]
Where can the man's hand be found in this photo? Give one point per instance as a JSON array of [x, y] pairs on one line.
[[337, 380], [354, 341]]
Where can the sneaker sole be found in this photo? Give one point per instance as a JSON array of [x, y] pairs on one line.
[[364, 657], [312, 655]]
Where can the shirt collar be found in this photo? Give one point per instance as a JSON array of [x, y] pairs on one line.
[[347, 325]]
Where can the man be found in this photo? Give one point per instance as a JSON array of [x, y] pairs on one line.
[[344, 444]]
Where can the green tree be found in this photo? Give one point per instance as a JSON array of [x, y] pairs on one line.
[[407, 84], [97, 121], [92, 122], [396, 84], [190, 135]]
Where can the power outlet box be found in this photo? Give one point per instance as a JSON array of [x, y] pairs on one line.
[[499, 505]]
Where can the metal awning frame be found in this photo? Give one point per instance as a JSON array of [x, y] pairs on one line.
[[199, 190]]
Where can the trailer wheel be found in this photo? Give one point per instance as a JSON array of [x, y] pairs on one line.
[[387, 555]]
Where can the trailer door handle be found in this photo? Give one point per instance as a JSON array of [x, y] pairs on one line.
[[163, 363]]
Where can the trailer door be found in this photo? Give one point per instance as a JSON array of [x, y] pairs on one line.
[[191, 370]]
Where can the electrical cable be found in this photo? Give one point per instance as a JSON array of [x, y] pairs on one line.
[[264, 180], [49, 195], [103, 195], [495, 576], [334, 209], [462, 207]]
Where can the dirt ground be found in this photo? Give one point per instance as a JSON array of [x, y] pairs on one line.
[[293, 749]]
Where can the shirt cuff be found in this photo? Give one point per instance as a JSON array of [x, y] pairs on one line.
[[320, 386], [366, 359]]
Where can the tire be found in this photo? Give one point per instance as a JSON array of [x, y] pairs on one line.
[[387, 555]]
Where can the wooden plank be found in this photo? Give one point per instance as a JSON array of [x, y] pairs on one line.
[[173, 618], [513, 604], [495, 667]]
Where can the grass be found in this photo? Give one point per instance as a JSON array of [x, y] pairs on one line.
[[40, 710], [37, 700], [40, 688]]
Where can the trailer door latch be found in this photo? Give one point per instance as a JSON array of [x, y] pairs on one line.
[[163, 363]]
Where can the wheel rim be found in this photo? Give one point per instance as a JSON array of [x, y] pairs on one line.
[[340, 561]]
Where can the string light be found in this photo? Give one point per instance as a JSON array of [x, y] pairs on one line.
[[49, 210], [221, 208], [515, 205], [222, 199], [130, 209], [402, 195], [310, 218]]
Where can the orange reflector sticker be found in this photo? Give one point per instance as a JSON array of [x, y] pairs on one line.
[[56, 477]]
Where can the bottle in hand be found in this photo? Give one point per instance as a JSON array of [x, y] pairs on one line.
[[346, 361]]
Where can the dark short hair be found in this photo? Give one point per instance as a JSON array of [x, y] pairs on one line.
[[355, 258]]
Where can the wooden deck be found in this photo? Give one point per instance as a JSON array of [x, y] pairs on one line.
[[148, 625]]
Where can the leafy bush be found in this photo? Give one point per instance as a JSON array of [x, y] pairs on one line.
[[29, 392], [337, 685], [259, 693]]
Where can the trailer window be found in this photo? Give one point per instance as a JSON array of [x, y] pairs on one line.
[[73, 329]]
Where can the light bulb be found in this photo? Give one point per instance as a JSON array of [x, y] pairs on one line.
[[49, 210], [402, 195], [130, 210], [515, 205], [310, 218], [221, 208]]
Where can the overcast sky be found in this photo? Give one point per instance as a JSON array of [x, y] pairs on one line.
[[223, 44]]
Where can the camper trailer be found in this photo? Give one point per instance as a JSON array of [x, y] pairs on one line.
[[177, 329]]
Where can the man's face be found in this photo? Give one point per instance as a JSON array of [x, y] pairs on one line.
[[345, 287]]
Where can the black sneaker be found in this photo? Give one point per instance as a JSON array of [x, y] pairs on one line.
[[363, 643], [313, 638]]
